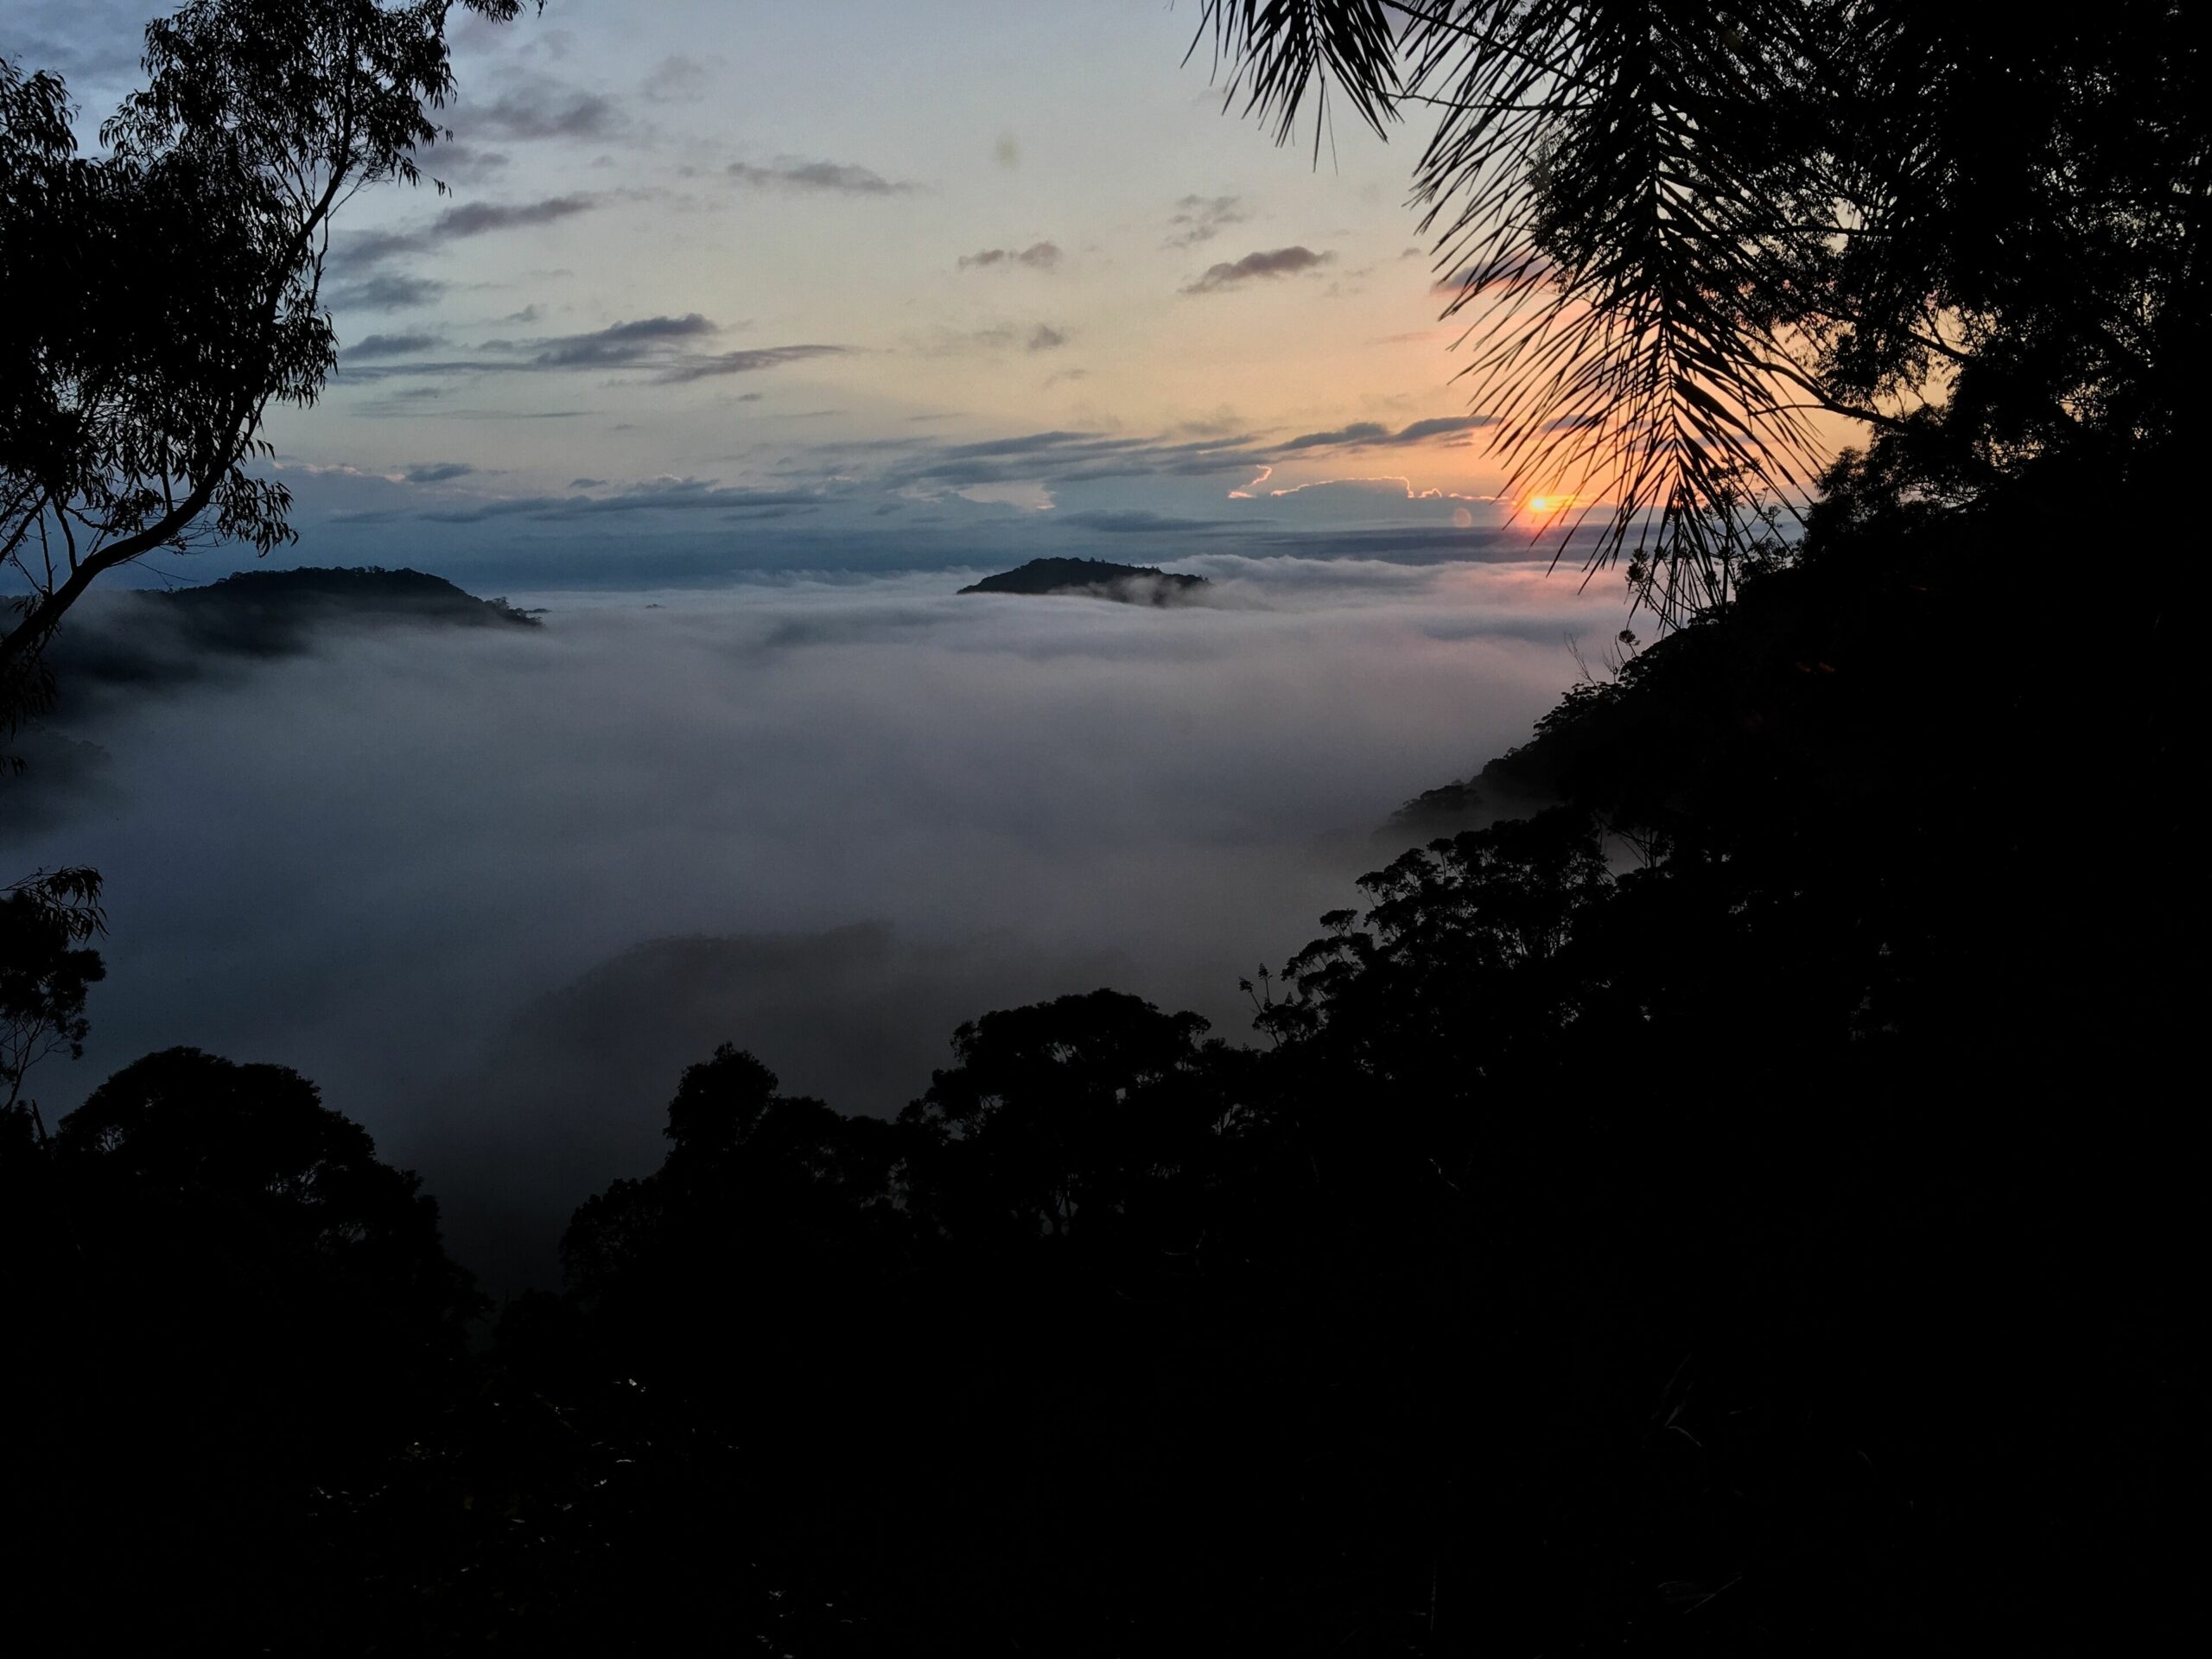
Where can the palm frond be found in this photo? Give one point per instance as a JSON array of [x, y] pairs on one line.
[[1279, 49], [1611, 190]]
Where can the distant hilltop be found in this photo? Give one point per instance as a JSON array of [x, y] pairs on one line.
[[156, 637], [285, 596], [1131, 584]]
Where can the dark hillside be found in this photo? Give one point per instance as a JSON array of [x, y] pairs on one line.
[[1136, 584], [360, 591], [183, 633]]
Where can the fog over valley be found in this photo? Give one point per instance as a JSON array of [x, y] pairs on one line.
[[492, 887]]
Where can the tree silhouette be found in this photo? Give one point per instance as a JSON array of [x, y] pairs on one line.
[[164, 293], [241, 1317], [1070, 1115], [321, 1247], [46, 965]]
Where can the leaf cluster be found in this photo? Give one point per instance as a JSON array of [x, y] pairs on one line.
[[48, 963], [166, 291]]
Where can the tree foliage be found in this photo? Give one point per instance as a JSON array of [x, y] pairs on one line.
[[165, 293], [1677, 230], [46, 965]]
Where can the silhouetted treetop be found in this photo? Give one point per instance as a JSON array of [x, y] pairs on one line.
[[48, 922], [165, 293], [752, 1173], [1060, 1112], [255, 1144]]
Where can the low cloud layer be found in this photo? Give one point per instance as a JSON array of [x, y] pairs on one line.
[[494, 889]]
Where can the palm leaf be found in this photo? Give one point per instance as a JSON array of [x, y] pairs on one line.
[[1611, 188]]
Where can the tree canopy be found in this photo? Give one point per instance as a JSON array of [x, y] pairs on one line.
[[165, 293]]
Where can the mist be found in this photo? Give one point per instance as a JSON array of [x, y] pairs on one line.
[[493, 888]]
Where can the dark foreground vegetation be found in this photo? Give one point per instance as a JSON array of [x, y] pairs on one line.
[[1739, 1206], [1737, 1209]]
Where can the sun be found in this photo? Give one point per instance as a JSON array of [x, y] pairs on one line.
[[1546, 506]]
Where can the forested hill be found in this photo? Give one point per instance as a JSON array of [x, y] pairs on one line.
[[255, 602], [1132, 584], [146, 638]]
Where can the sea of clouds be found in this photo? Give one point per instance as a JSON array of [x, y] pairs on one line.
[[492, 889]]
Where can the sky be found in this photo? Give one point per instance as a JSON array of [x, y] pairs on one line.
[[856, 285], [745, 336]]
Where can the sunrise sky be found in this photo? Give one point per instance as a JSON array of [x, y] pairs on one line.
[[746, 336], [861, 284]]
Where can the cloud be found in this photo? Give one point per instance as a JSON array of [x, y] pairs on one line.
[[1061, 457], [1038, 255], [1359, 432], [681, 495], [819, 178], [455, 224], [400, 402], [1369, 434], [539, 110], [440, 472], [391, 345], [999, 337], [476, 218], [680, 79], [387, 292], [689, 368], [450, 160], [1200, 218], [1523, 269], [1441, 426], [620, 343], [1138, 522], [660, 345], [85, 41], [1266, 263]]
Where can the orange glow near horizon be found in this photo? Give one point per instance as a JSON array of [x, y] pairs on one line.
[[1549, 505]]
